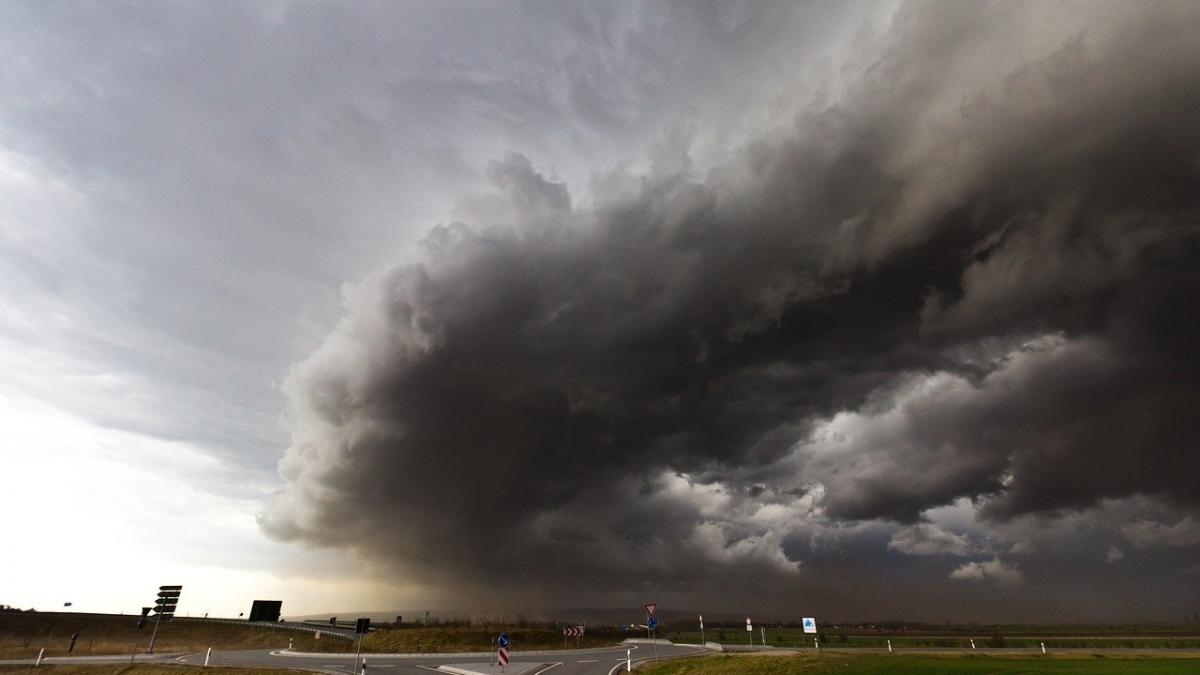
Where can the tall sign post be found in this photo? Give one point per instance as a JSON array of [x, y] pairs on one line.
[[361, 627], [140, 625], [168, 598], [652, 625], [750, 631]]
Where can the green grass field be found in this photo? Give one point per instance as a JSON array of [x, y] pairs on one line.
[[990, 637], [923, 665], [23, 634]]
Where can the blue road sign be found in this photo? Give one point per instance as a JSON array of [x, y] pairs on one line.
[[505, 640], [652, 623]]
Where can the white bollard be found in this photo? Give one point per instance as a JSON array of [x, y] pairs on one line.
[[628, 660], [289, 644], [972, 643], [889, 646], [207, 655], [364, 667], [1043, 647], [39, 658], [816, 644]]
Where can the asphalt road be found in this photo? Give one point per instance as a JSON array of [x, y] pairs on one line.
[[601, 661]]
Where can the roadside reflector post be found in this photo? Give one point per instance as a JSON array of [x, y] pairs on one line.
[[364, 666], [816, 644], [289, 644], [628, 659], [1043, 648], [890, 647], [972, 643], [207, 656], [39, 658]]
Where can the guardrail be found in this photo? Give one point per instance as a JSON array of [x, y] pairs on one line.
[[284, 625]]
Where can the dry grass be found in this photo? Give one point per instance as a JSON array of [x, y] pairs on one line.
[[22, 635], [462, 639], [141, 669]]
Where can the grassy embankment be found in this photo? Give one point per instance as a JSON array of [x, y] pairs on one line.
[[861, 664], [464, 639], [22, 634]]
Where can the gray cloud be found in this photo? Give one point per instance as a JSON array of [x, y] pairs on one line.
[[928, 539], [967, 273], [726, 300]]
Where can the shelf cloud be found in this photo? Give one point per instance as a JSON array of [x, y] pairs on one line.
[[963, 273]]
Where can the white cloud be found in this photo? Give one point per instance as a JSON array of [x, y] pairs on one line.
[[989, 570]]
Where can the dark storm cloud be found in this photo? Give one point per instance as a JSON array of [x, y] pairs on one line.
[[971, 273]]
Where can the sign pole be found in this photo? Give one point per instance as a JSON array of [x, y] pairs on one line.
[[157, 620], [702, 642]]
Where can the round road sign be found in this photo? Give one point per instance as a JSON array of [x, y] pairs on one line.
[[505, 640], [652, 623]]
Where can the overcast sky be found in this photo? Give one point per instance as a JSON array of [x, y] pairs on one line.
[[864, 311]]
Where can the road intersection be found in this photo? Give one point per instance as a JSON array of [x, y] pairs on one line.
[[597, 661]]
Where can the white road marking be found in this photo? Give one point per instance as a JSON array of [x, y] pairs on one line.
[[589, 661], [549, 667]]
